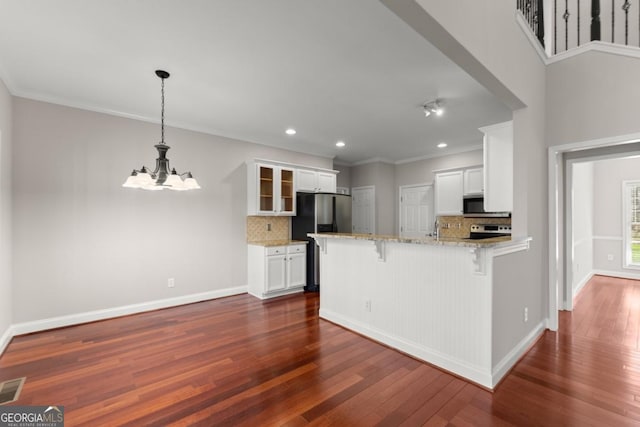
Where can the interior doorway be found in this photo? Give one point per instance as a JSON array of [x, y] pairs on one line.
[[363, 211], [560, 166], [416, 210]]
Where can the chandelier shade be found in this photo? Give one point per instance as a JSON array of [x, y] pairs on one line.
[[162, 176]]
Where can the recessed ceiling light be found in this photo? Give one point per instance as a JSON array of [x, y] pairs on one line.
[[442, 145], [290, 131], [340, 144]]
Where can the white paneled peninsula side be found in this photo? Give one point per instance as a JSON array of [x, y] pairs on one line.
[[431, 298]]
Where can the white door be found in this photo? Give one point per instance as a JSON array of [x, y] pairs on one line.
[[449, 193], [473, 181], [297, 271], [416, 210], [363, 217], [276, 272], [306, 180], [327, 182]]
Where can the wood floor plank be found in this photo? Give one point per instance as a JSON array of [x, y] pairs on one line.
[[244, 362]]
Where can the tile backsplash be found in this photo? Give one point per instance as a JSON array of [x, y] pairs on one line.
[[460, 226], [258, 228]]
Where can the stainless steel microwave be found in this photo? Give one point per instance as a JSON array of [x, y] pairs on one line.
[[473, 207]]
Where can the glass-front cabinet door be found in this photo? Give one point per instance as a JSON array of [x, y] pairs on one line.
[[266, 187], [287, 192], [274, 192]]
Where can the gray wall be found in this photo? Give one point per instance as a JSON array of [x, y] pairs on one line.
[[582, 223], [422, 171], [607, 224], [5, 211], [590, 96], [344, 176], [382, 176], [83, 243], [387, 179]]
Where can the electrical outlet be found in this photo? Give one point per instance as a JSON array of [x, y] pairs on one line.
[[171, 283], [268, 227], [367, 305], [610, 257], [526, 314]]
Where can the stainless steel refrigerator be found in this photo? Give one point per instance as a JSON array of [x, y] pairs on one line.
[[319, 213]]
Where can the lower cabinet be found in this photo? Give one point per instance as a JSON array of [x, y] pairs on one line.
[[276, 270]]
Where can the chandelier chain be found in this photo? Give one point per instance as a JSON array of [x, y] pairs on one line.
[[162, 113]]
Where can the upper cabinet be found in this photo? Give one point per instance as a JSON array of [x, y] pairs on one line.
[[449, 189], [473, 181], [272, 185], [271, 190], [498, 167], [315, 181]]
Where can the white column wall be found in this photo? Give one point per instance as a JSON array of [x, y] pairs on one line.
[[582, 225], [484, 39], [6, 278]]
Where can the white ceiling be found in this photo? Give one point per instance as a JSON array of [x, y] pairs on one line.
[[249, 69]]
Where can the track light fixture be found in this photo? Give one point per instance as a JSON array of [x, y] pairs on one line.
[[433, 107]]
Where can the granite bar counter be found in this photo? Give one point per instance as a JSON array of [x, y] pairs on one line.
[[271, 243], [428, 297]]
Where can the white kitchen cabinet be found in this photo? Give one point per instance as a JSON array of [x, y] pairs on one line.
[[297, 269], [448, 192], [473, 181], [327, 182], [276, 270], [498, 167], [313, 181], [270, 190]]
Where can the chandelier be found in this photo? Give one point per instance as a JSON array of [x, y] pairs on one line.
[[162, 177]]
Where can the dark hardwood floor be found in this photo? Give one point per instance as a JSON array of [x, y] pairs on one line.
[[241, 361]]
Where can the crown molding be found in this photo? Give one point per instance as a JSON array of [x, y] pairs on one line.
[[450, 152], [373, 160]]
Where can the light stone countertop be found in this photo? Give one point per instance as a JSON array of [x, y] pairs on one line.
[[443, 241], [269, 243]]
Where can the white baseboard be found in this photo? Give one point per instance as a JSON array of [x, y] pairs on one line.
[[620, 274], [446, 362], [581, 284], [5, 339], [516, 353], [277, 293], [92, 316]]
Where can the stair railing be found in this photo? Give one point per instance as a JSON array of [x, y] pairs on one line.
[[575, 22]]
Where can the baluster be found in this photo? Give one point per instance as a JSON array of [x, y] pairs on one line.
[[613, 21], [595, 20], [578, 38], [565, 16], [540, 22], [555, 26], [626, 7]]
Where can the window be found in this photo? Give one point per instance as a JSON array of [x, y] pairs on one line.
[[631, 223]]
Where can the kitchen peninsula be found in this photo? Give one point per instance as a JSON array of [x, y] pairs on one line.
[[431, 298]]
